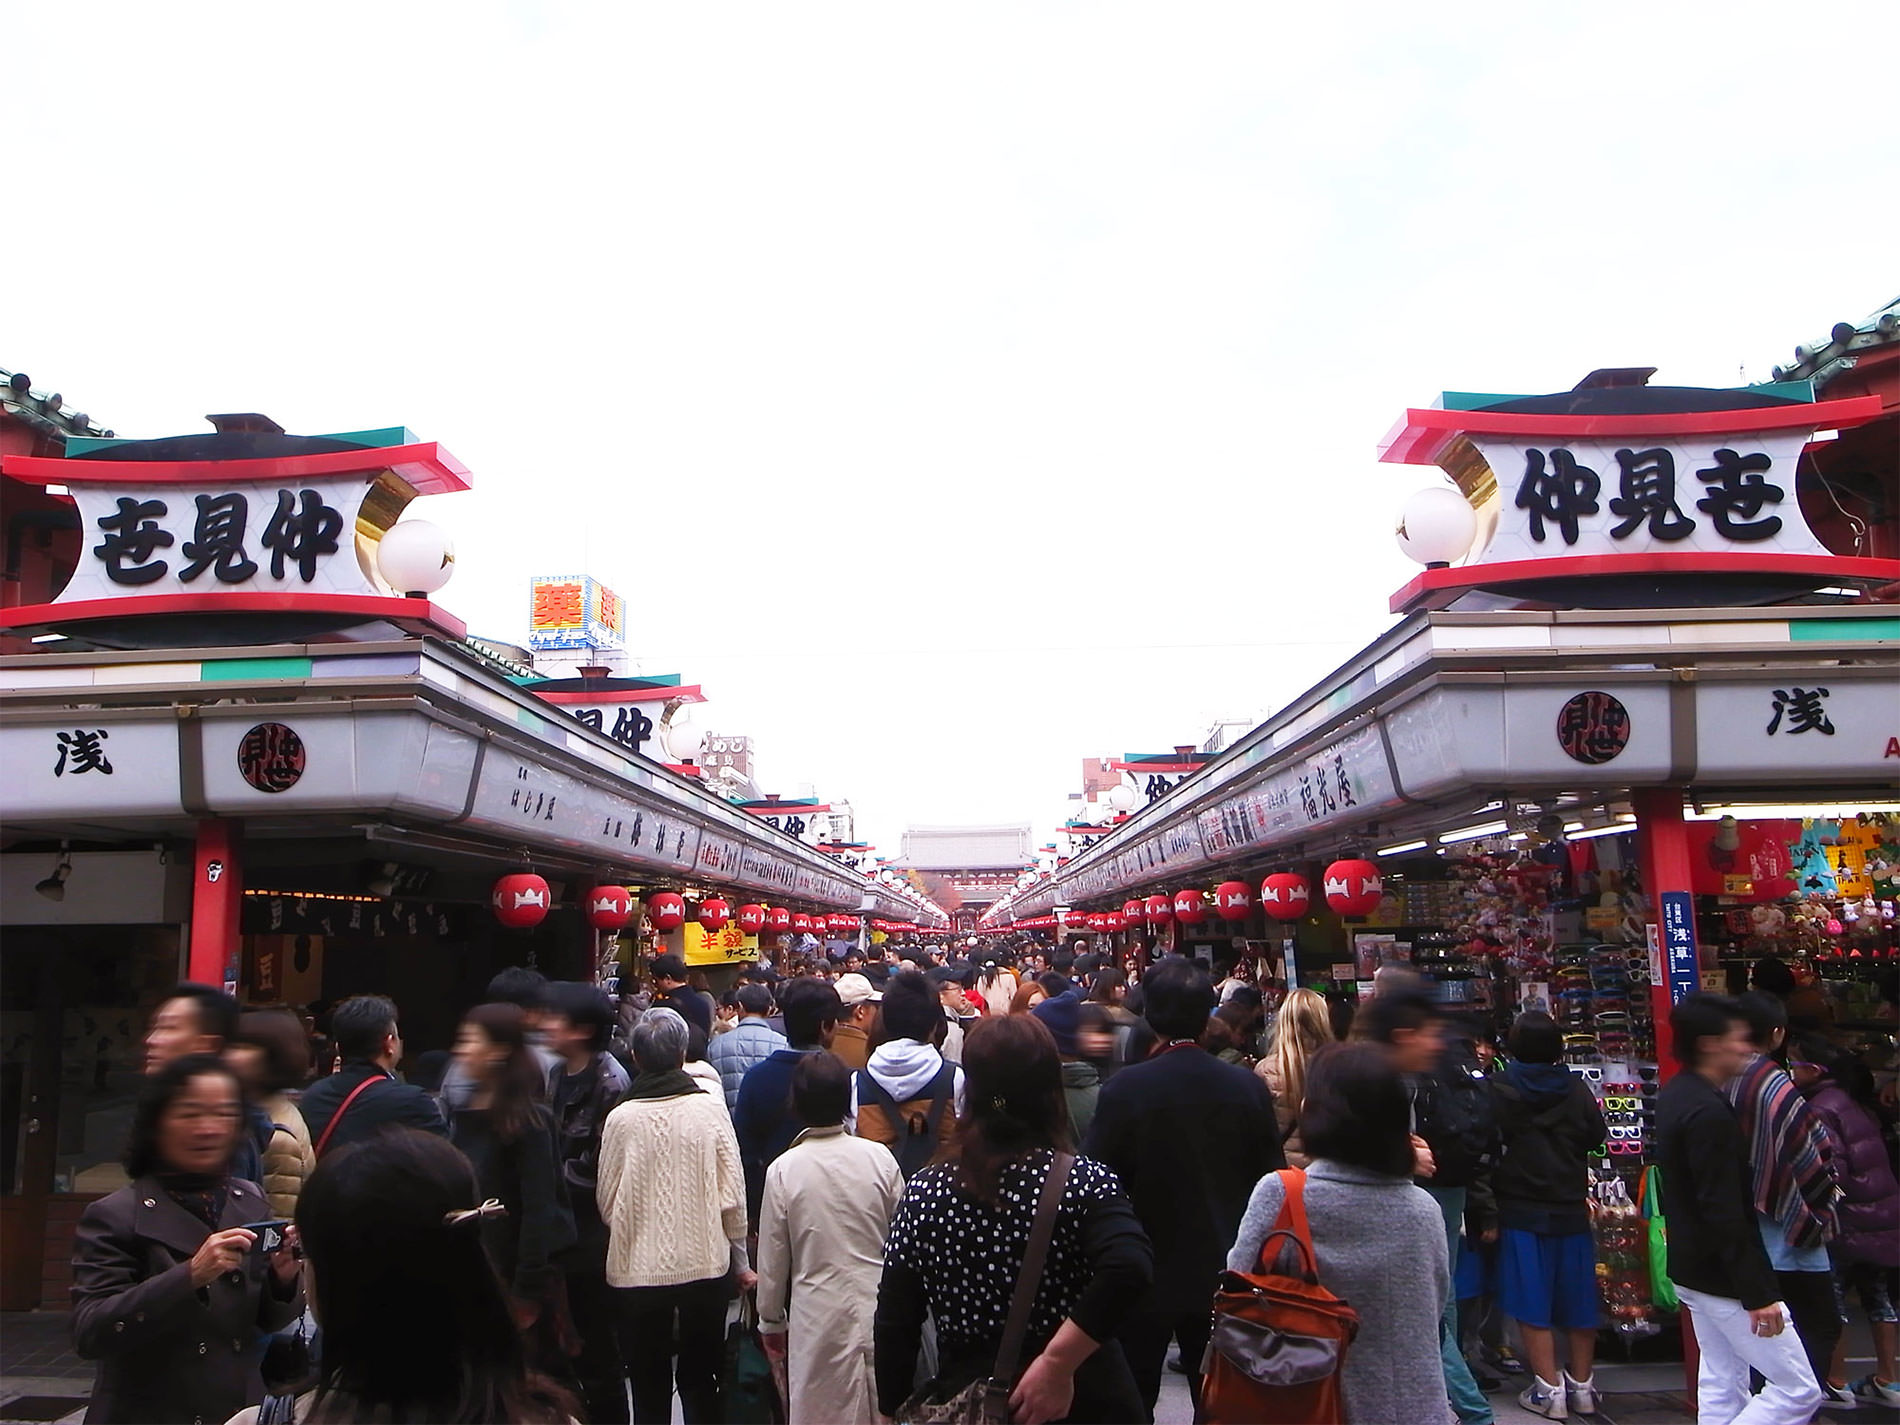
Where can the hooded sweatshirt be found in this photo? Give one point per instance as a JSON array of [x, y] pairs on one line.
[[903, 1068], [1549, 1122]]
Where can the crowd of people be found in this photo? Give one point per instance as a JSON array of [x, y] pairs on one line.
[[558, 1219]]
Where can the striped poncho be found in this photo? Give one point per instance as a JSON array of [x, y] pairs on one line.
[[1789, 1153]]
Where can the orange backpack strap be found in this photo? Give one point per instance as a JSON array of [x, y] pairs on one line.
[[1291, 1224]]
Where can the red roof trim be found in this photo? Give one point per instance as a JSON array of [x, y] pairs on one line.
[[688, 694], [428, 468], [1421, 437], [413, 614]]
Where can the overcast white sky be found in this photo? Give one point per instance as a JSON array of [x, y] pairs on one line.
[[954, 391]]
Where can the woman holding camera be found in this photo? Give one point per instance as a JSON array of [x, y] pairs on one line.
[[171, 1289]]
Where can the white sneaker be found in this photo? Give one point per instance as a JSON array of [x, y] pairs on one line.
[[1874, 1393], [1582, 1393], [1838, 1397], [1543, 1399]]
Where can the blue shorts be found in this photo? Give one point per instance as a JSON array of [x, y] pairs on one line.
[[1548, 1281]]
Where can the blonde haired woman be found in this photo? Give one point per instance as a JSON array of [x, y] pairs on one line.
[[1299, 1029]]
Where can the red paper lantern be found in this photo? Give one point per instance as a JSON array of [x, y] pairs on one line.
[[1189, 907], [801, 925], [841, 924], [1157, 910], [1134, 912], [1353, 887], [1285, 896], [1117, 922], [521, 900], [667, 911], [751, 919], [778, 920], [609, 907], [714, 915], [1098, 923], [1233, 900]]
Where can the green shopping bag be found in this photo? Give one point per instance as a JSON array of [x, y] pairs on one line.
[[1661, 1290]]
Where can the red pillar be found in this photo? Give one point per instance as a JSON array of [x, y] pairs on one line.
[[1662, 842], [217, 898]]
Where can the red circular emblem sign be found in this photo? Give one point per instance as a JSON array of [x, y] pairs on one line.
[[271, 757], [1593, 727]]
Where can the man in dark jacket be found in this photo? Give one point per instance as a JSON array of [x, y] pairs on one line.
[[586, 1086], [1189, 1137], [364, 1029], [1549, 1123], [763, 1117], [1453, 1124], [1716, 1256]]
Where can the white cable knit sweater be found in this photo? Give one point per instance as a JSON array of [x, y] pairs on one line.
[[671, 1190]]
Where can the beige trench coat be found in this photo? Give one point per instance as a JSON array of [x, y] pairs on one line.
[[827, 1210]]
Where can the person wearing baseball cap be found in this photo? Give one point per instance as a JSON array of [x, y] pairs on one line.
[[853, 1040]]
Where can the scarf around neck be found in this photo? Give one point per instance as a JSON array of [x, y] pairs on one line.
[[1788, 1151], [670, 1084]]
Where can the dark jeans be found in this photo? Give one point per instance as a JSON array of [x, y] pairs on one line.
[[597, 1369], [1145, 1336], [1809, 1297], [649, 1318]]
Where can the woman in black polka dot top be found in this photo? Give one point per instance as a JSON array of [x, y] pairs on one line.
[[958, 1240]]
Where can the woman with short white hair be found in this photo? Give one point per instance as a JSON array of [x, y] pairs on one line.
[[672, 1194]]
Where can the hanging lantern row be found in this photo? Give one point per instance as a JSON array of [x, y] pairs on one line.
[[523, 899], [1352, 887]]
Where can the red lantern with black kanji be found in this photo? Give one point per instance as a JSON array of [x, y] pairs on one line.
[[1233, 900], [1157, 910], [778, 920], [1353, 887], [521, 900], [609, 907], [1285, 896], [667, 911], [1190, 907], [1117, 922], [1134, 912], [751, 919]]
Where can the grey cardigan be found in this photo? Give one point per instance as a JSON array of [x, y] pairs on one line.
[[1380, 1244]]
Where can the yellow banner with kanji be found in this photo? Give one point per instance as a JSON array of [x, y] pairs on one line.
[[702, 947]]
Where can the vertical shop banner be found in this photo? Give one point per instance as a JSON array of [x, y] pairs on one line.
[[1679, 948]]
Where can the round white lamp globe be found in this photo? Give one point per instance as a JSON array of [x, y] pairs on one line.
[[415, 557], [1436, 526], [683, 737], [1121, 797]]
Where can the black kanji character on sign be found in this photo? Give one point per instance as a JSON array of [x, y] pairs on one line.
[[1325, 789], [631, 728], [1804, 710], [589, 717], [301, 533], [1647, 491], [1561, 494], [1344, 782], [1307, 802], [795, 825], [1593, 728], [132, 537], [79, 751], [1737, 493], [217, 541]]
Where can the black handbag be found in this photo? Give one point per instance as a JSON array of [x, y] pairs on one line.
[[985, 1401]]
